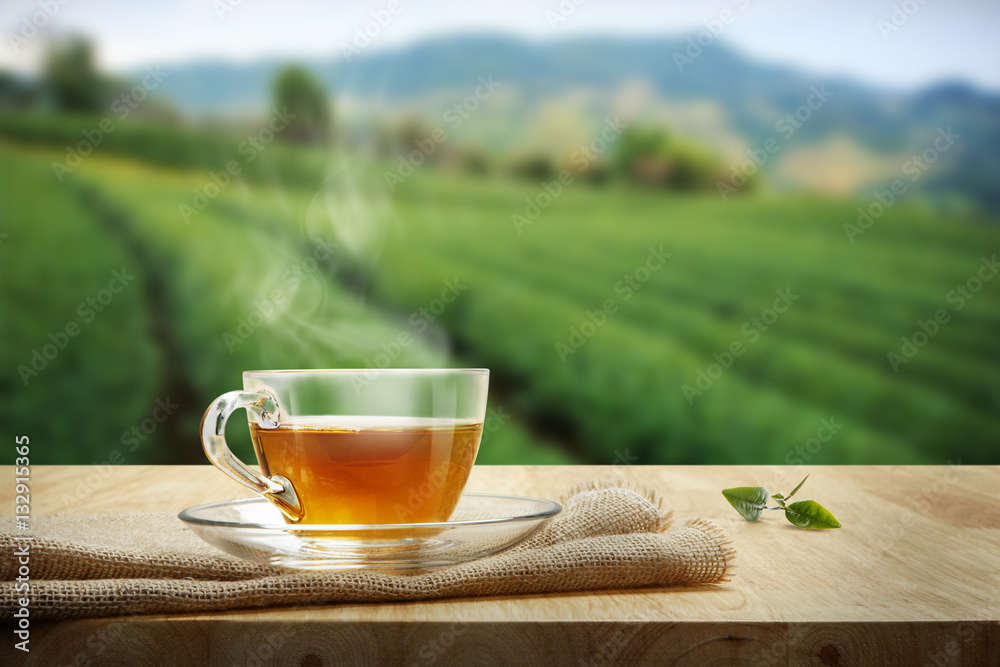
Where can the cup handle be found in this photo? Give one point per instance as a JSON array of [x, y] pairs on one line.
[[276, 488]]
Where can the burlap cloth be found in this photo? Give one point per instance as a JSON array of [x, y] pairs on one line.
[[609, 535]]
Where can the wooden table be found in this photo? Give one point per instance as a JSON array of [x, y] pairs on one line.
[[913, 578]]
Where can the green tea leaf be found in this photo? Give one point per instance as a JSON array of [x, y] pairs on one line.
[[788, 497], [777, 496], [749, 501], [810, 514]]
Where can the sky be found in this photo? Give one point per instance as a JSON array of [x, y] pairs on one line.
[[903, 44]]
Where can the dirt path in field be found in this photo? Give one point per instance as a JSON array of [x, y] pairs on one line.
[[180, 428]]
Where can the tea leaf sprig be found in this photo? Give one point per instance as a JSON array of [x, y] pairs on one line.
[[751, 501]]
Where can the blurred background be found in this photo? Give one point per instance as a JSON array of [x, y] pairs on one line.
[[697, 232]]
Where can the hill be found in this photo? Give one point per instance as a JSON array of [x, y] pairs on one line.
[[720, 98]]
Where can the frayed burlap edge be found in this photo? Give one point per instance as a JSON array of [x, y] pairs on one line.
[[649, 493]]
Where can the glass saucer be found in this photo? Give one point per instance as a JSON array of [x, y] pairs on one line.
[[481, 525]]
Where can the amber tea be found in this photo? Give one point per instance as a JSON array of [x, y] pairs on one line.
[[364, 470]]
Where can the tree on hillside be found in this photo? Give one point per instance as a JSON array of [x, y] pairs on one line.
[[301, 95], [651, 156], [72, 79]]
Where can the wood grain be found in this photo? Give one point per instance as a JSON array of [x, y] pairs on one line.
[[913, 578]]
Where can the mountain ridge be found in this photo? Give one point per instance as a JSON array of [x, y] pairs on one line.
[[752, 96]]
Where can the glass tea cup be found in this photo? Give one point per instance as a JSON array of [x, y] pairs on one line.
[[346, 446]]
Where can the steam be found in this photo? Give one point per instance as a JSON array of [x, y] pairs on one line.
[[329, 318], [353, 209]]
